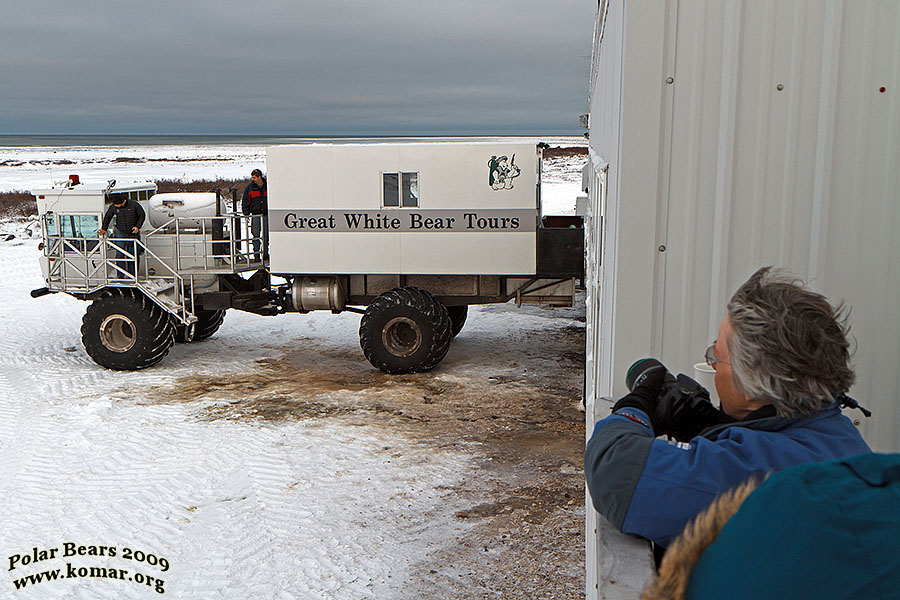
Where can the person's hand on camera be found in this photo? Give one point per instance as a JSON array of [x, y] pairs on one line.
[[684, 415], [645, 396]]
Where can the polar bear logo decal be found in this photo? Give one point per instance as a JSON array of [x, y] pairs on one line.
[[502, 172]]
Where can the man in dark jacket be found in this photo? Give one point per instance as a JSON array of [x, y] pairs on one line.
[[256, 203], [129, 217], [782, 365]]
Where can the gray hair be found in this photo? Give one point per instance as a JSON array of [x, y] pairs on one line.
[[789, 345]]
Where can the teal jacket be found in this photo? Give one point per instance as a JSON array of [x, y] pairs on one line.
[[829, 531]]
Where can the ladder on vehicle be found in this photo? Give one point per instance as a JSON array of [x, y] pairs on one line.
[[82, 265]]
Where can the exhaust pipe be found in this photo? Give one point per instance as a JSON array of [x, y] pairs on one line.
[[40, 292]]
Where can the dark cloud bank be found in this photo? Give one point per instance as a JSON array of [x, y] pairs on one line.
[[336, 67]]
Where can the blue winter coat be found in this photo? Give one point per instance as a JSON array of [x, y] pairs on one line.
[[652, 488]]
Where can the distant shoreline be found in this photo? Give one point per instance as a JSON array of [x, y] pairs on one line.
[[21, 203], [86, 140]]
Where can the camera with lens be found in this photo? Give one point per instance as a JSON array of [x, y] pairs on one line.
[[683, 408]]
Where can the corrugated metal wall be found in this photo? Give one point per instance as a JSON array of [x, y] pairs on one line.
[[738, 134], [772, 144], [784, 150], [617, 566]]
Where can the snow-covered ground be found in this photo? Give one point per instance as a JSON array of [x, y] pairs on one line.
[[88, 456], [244, 509]]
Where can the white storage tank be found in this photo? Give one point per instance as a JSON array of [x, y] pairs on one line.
[[191, 205]]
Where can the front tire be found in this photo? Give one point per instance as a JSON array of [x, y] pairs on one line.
[[405, 330], [124, 330]]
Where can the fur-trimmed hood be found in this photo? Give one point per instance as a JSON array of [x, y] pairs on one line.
[[682, 555]]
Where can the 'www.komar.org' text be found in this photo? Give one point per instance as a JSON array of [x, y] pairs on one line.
[[73, 572]]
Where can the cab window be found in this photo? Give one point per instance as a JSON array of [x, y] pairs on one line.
[[79, 226]]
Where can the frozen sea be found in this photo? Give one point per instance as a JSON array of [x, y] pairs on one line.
[[31, 162]]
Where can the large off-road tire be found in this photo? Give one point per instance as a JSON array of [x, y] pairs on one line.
[[405, 330], [185, 334], [208, 322], [457, 318], [125, 330]]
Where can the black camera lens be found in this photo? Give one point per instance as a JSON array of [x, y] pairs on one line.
[[639, 370]]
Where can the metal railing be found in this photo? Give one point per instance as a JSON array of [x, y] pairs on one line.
[[84, 265], [198, 246], [211, 244]]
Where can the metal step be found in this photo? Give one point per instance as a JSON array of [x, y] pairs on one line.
[[157, 286]]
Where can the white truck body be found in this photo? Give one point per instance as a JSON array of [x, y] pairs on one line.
[[328, 212]]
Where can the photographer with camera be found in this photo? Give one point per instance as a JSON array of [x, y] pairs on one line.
[[782, 364]]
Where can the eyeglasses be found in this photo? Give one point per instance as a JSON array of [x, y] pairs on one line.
[[710, 356]]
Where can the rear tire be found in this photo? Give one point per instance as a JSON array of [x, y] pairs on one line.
[[457, 318], [185, 334], [405, 330], [208, 322], [124, 330]]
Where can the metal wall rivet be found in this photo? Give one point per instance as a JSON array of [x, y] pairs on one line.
[[779, 87], [670, 80], [662, 248]]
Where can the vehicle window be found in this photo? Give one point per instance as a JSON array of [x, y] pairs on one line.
[[50, 220], [79, 226], [410, 189], [400, 189], [391, 189]]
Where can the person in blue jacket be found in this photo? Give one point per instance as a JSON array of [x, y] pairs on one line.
[[782, 362]]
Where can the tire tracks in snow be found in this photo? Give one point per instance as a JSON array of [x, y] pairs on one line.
[[241, 510]]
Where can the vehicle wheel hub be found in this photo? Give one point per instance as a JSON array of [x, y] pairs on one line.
[[401, 336], [118, 333]]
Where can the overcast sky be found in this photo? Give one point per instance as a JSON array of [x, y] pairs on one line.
[[295, 67]]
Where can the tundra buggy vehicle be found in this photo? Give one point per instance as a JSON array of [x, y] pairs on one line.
[[407, 234]]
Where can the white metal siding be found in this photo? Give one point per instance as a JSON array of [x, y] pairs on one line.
[[616, 566], [804, 177], [728, 173], [741, 174]]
